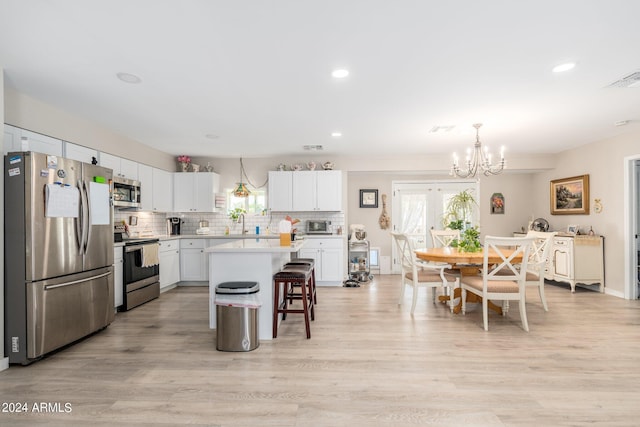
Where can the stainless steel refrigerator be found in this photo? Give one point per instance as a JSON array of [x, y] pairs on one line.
[[58, 253]]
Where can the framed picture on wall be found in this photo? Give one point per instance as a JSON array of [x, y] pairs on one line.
[[570, 196], [368, 198], [497, 203]]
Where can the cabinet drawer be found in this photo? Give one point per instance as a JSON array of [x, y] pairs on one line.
[[563, 242], [169, 245], [313, 243], [193, 243]]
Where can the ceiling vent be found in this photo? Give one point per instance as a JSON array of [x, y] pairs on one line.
[[441, 129], [632, 80], [313, 148]]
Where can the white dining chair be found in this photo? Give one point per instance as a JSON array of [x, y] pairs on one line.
[[538, 257], [420, 274], [504, 280], [443, 238]]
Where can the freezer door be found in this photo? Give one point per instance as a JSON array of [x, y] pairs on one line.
[[63, 310], [52, 242], [99, 224]]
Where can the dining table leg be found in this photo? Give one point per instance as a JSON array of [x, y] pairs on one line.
[[466, 271]]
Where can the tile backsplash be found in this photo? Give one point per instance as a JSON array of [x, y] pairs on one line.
[[155, 223]]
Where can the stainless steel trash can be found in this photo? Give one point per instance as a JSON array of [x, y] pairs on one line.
[[237, 307]]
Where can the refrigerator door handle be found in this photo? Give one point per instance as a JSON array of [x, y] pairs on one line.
[[84, 213], [80, 223], [75, 282], [89, 220]]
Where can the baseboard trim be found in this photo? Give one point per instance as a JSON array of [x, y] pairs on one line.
[[4, 363]]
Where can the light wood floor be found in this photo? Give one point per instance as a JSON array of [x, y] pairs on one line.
[[368, 363]]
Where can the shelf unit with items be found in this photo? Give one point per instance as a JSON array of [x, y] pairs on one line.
[[360, 260]]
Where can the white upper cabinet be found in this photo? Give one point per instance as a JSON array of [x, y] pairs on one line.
[[162, 191], [280, 186], [17, 139], [80, 153], [317, 191], [195, 192], [145, 176], [123, 168]]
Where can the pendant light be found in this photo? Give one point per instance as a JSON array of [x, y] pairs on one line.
[[241, 189]]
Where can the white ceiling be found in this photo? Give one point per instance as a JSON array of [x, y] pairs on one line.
[[257, 73]]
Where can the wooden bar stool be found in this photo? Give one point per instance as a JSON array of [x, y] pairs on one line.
[[299, 275], [304, 261]]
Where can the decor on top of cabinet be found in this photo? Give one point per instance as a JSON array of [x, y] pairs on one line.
[[385, 219], [184, 162], [195, 168], [208, 168], [327, 166], [311, 166], [570, 196], [497, 203], [296, 167], [282, 167]]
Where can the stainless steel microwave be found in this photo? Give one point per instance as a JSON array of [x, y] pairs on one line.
[[126, 193], [318, 227]]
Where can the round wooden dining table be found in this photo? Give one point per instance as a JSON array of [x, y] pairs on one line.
[[468, 263]]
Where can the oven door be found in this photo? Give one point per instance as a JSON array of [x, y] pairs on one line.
[[141, 280]]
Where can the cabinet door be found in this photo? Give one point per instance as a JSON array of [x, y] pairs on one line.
[[329, 190], [32, 141], [118, 278], [184, 190], [11, 139], [162, 191], [80, 153], [129, 169], [331, 264], [206, 186], [169, 263], [194, 263], [304, 191], [562, 263], [145, 176], [110, 161], [280, 187]]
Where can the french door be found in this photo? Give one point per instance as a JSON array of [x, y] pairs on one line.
[[418, 206]]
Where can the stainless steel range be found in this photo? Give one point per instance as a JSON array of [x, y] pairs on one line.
[[141, 267]]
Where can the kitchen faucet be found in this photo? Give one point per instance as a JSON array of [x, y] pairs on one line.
[[243, 229]]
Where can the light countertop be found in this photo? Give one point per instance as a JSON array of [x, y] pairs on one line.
[[256, 245]]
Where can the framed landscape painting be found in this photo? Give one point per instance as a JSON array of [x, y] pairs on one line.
[[570, 196]]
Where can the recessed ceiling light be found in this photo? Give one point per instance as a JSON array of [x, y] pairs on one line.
[[129, 78], [340, 74], [564, 67], [336, 134]]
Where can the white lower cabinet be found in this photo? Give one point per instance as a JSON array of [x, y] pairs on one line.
[[329, 257], [169, 255], [194, 262], [118, 279]]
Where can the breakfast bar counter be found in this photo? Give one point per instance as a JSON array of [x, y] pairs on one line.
[[254, 260]]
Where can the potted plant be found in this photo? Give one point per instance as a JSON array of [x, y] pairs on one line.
[[459, 210], [458, 217]]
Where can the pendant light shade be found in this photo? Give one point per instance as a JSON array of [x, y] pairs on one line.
[[241, 189]]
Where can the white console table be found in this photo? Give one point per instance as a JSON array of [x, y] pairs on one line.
[[577, 260]]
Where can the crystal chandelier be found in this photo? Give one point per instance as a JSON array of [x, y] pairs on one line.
[[241, 189], [478, 161]]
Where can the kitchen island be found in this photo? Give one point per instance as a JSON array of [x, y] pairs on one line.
[[255, 260]]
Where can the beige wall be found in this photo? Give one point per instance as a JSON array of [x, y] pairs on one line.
[[526, 193], [604, 162], [28, 113]]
